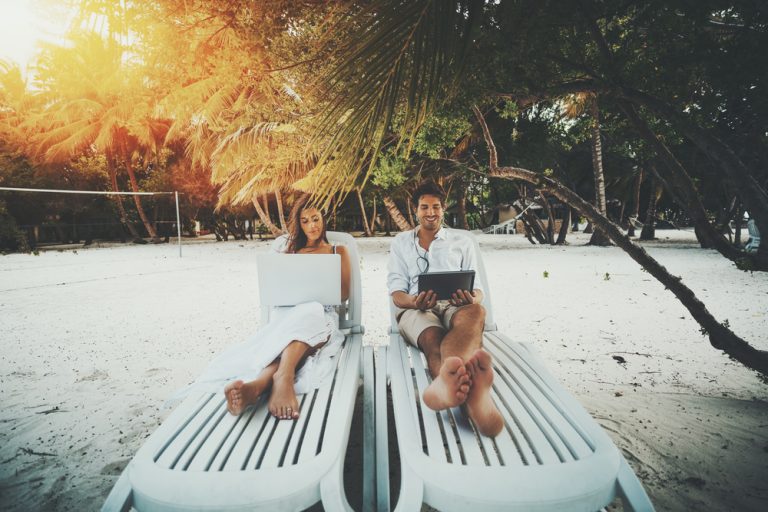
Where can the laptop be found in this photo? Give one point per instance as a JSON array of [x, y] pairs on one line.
[[290, 279]]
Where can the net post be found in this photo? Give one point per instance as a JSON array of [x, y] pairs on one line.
[[178, 220]]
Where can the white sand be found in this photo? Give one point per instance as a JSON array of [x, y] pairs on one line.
[[93, 341]]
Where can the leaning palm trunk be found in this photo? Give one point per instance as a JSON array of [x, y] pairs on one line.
[[598, 237], [119, 201], [720, 336], [280, 216], [397, 216], [372, 225], [137, 199], [264, 216], [366, 227]]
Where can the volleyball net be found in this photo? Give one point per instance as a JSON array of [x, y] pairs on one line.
[[174, 195]]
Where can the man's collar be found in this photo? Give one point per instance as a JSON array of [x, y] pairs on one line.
[[442, 233]]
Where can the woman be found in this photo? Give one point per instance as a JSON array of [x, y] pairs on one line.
[[269, 362]]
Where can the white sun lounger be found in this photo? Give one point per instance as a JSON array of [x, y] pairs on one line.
[[203, 458], [550, 456]]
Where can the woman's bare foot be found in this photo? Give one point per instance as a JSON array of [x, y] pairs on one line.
[[450, 388], [479, 403], [282, 402], [242, 394]]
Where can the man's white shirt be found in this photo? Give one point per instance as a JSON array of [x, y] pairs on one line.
[[450, 250]]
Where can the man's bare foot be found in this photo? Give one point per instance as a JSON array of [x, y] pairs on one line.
[[242, 394], [479, 403], [450, 388], [282, 402]]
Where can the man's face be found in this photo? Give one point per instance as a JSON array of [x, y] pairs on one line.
[[430, 212]]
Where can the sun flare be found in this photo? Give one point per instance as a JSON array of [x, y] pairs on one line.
[[26, 23]]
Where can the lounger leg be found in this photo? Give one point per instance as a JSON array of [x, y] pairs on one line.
[[633, 496], [411, 490], [375, 431], [382, 432], [120, 497], [369, 431], [332, 489]]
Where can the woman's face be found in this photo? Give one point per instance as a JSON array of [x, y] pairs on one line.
[[311, 224]]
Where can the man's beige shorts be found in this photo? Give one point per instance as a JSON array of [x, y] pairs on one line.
[[412, 322]]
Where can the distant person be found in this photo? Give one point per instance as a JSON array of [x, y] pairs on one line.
[[449, 332], [275, 359]]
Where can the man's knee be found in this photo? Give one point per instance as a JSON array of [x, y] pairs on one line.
[[471, 314], [430, 339]]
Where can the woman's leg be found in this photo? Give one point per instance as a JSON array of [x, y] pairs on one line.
[[242, 394], [282, 402]]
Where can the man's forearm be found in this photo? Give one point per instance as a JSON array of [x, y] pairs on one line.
[[403, 300]]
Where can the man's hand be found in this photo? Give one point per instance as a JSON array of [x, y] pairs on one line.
[[425, 300], [464, 297]]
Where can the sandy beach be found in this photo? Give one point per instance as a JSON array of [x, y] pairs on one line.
[[92, 341]]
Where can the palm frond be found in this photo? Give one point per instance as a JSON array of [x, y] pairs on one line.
[[403, 57]]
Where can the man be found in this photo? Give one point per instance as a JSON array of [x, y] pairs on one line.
[[450, 333]]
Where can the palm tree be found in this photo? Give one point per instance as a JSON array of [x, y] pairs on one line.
[[94, 100], [574, 105]]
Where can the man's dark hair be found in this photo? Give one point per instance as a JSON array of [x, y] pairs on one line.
[[428, 188]]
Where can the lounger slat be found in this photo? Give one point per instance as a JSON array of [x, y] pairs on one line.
[[524, 415], [255, 429], [232, 438], [433, 444], [513, 444], [441, 440], [577, 439], [281, 438], [568, 443], [187, 434], [308, 403], [208, 444], [470, 444], [308, 448]]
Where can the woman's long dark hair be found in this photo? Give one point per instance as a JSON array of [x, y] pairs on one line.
[[297, 240]]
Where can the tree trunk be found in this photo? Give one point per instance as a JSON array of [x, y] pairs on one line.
[[119, 201], [550, 233], [598, 238], [264, 216], [366, 227], [720, 336], [638, 184], [409, 209], [137, 199], [280, 215], [462, 206], [649, 226], [396, 215], [372, 225], [564, 227]]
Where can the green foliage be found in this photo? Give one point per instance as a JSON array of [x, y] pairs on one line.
[[389, 172], [440, 133]]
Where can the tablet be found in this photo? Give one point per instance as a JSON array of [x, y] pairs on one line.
[[446, 283]]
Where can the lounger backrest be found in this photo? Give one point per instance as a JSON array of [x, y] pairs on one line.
[[350, 314], [490, 324]]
